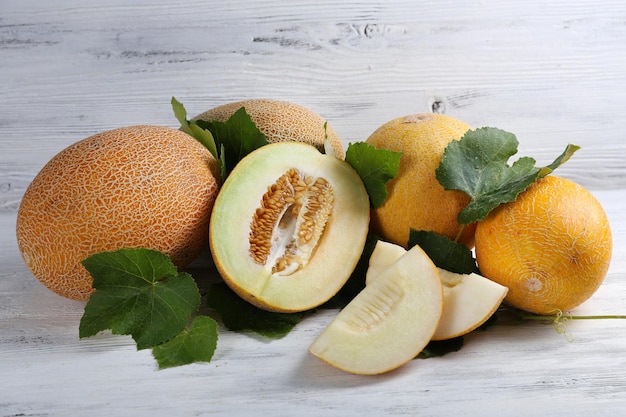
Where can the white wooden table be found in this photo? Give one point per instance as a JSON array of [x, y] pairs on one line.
[[551, 72]]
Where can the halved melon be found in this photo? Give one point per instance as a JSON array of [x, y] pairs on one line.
[[289, 226], [389, 322], [469, 300]]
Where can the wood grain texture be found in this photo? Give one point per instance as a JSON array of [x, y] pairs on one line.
[[551, 72], [512, 370]]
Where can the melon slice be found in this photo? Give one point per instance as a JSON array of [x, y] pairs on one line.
[[469, 300], [383, 255], [389, 322], [289, 226]]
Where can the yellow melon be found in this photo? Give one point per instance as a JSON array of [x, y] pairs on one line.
[[416, 200], [138, 186], [551, 246]]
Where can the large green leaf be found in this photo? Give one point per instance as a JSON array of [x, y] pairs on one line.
[[375, 166], [478, 165], [138, 292]]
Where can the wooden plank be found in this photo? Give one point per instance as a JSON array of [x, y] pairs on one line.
[[552, 74], [518, 370]]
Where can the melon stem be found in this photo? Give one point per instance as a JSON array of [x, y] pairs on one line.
[[559, 319], [554, 317]]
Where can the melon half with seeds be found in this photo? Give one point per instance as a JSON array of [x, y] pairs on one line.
[[289, 226]]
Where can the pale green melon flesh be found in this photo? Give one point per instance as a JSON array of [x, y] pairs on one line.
[[334, 257], [469, 300], [383, 255], [389, 322]]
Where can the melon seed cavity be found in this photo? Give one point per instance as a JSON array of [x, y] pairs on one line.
[[290, 221]]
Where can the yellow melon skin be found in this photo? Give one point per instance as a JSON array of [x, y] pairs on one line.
[[138, 186], [551, 247], [416, 200], [281, 121]]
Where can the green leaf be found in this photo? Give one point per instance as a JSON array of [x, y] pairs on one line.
[[180, 113], [444, 252], [205, 137], [197, 344], [239, 315], [236, 138], [438, 348], [560, 160], [227, 141], [478, 165], [138, 292], [375, 167], [191, 128]]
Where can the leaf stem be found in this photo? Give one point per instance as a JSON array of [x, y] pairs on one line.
[[458, 235]]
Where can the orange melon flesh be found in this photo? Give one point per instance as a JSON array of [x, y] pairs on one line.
[[332, 260]]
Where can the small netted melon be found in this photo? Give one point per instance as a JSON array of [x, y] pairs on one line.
[[281, 121], [289, 226], [136, 186]]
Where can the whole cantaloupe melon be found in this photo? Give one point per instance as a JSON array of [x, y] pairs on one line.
[[281, 121], [138, 186]]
